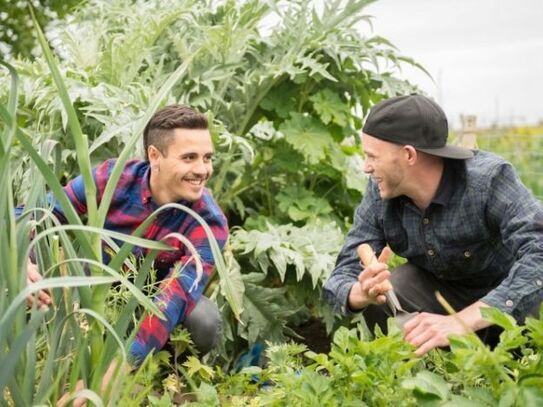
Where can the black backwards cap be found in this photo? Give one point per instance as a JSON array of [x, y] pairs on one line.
[[414, 120]]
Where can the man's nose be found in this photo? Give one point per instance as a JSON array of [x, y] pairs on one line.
[[201, 167], [367, 168]]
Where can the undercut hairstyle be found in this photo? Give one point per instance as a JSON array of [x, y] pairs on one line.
[[158, 131]]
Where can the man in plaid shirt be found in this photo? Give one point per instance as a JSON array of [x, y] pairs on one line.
[[463, 219], [179, 154]]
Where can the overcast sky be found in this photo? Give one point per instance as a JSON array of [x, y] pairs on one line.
[[486, 56]]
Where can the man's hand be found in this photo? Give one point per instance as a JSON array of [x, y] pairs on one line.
[[428, 331], [106, 382], [373, 282], [32, 276]]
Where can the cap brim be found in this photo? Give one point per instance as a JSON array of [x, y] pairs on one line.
[[454, 152]]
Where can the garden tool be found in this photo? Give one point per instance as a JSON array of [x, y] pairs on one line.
[[401, 316]]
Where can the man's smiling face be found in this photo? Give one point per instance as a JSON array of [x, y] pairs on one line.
[[181, 172], [383, 163]]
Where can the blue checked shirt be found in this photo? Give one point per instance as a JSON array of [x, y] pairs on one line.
[[482, 227]]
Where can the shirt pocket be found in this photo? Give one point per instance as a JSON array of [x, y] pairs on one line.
[[466, 260]]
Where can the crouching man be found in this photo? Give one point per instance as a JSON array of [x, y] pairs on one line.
[[179, 161], [463, 219]]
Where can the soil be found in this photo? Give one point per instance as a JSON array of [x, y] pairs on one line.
[[313, 333]]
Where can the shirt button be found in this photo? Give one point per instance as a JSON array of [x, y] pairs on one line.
[[539, 283], [430, 252], [426, 221], [467, 253], [509, 303]]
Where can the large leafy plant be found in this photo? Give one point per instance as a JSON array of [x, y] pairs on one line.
[[285, 84]]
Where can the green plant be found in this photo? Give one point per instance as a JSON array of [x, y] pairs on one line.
[[383, 371]]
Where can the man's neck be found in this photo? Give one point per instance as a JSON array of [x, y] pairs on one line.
[[158, 194], [426, 182]]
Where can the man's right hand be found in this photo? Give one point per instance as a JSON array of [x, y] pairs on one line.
[[32, 276], [372, 284]]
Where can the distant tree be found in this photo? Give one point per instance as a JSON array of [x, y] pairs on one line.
[[17, 37]]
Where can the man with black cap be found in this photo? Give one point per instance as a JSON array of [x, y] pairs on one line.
[[463, 219]]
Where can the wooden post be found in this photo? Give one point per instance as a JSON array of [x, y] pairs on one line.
[[468, 135]]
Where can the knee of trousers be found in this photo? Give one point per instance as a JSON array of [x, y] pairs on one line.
[[204, 325]]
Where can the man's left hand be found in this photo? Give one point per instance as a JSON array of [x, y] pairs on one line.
[[428, 331]]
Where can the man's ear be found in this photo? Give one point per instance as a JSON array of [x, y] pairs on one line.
[[153, 153], [411, 154]]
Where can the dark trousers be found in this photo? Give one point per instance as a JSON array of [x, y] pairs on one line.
[[415, 288]]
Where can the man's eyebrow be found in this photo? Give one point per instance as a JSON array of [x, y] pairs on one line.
[[187, 153]]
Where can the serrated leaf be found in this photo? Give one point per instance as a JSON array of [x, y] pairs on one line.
[[499, 318], [233, 272], [315, 67], [300, 203], [307, 135], [265, 241], [266, 310], [194, 366], [279, 261], [330, 107], [207, 395], [281, 100]]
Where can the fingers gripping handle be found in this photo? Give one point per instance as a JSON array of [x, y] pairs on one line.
[[366, 254], [367, 257]]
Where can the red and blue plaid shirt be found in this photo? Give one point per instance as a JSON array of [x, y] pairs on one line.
[[132, 203]]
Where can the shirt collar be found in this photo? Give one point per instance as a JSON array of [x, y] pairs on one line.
[[447, 184], [146, 196]]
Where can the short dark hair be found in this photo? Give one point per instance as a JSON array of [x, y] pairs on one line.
[[158, 131]]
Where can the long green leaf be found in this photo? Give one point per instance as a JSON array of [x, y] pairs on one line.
[[9, 131], [150, 244], [98, 377], [6, 202], [56, 188], [87, 394], [8, 362], [123, 321], [47, 283], [233, 296], [138, 295], [80, 141]]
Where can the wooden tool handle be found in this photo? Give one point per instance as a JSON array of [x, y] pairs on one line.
[[367, 257], [366, 254]]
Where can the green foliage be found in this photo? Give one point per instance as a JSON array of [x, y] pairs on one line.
[[16, 34], [285, 105], [310, 250], [523, 147], [384, 371]]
